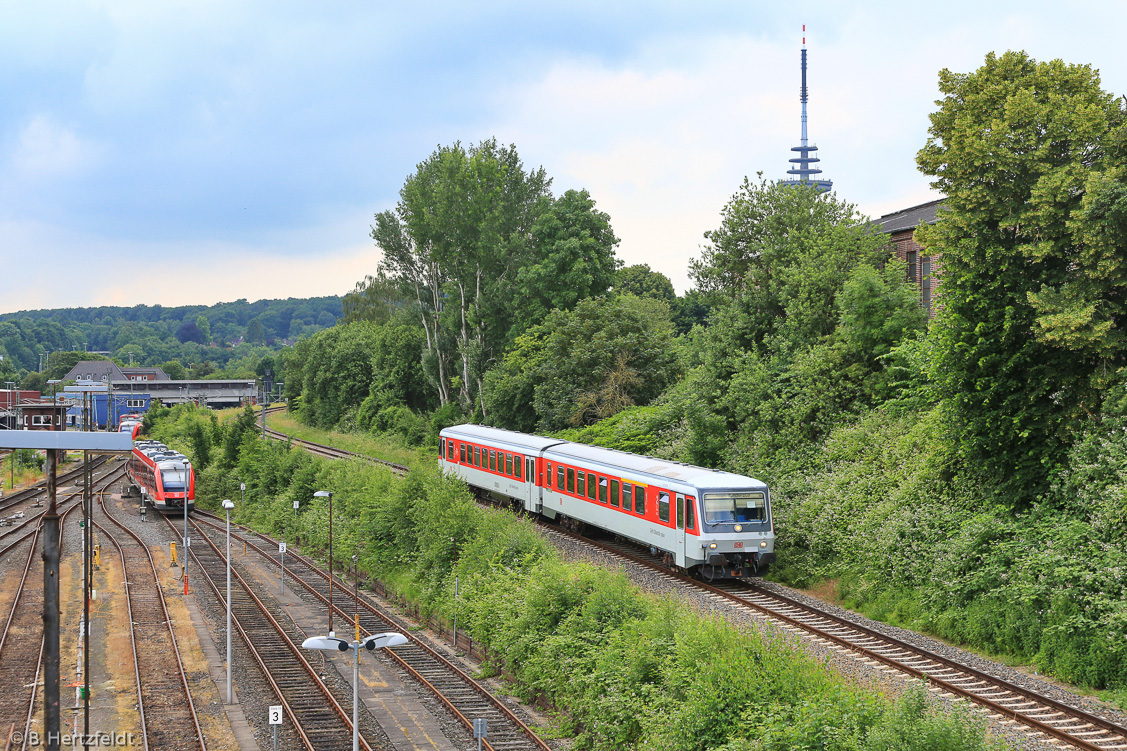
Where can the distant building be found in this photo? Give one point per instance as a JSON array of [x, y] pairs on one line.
[[42, 414], [145, 374], [923, 270], [807, 152], [102, 371]]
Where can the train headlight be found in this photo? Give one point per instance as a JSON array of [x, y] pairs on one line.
[[712, 546], [739, 528], [763, 544]]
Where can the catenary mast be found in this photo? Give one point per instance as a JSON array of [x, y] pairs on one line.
[[807, 153]]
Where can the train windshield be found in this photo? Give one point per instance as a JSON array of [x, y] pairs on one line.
[[172, 480], [737, 506]]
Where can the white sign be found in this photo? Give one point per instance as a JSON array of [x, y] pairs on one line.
[[281, 547], [275, 714], [295, 505], [188, 542], [480, 728]]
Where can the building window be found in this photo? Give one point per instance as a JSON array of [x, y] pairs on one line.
[[134, 403], [911, 259]]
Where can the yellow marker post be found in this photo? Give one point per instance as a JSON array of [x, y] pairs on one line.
[[97, 556], [172, 554]]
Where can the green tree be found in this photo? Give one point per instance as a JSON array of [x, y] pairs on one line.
[[256, 332], [204, 327], [375, 298], [571, 257], [586, 364], [642, 281], [1032, 156]]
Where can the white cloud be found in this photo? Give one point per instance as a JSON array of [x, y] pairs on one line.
[[45, 149]]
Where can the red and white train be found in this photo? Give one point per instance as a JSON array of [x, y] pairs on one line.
[[711, 523], [164, 477]]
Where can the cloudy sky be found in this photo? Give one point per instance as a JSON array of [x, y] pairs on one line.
[[192, 152]]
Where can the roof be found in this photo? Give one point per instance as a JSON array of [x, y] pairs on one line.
[[154, 370], [94, 370], [647, 466], [660, 469], [518, 441], [910, 218]]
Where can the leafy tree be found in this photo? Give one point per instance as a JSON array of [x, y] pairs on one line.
[[189, 332], [586, 364], [1032, 157], [461, 220], [376, 298], [205, 328], [174, 370], [572, 257], [484, 251], [256, 332], [642, 281]]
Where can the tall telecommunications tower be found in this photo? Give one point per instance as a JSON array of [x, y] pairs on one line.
[[806, 152]]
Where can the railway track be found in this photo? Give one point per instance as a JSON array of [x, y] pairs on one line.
[[21, 642], [1038, 713], [329, 452], [40, 488], [164, 699], [461, 694], [317, 717]]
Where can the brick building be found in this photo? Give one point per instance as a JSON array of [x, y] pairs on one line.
[[923, 270]]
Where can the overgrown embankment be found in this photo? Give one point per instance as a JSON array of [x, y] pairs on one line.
[[628, 669]]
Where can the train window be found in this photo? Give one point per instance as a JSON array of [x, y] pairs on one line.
[[591, 480], [739, 506], [493, 460], [639, 499], [532, 469], [508, 464], [516, 465], [690, 512], [450, 450], [548, 474], [614, 492], [627, 494], [559, 478], [476, 456], [580, 484], [663, 505], [570, 479], [442, 447], [680, 511], [462, 452]]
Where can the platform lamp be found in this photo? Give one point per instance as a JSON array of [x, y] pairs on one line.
[[329, 494], [227, 506], [331, 643]]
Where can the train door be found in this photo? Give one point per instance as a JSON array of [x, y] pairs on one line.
[[535, 501], [680, 545]]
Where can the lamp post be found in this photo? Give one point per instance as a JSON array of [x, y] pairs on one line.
[[184, 565], [243, 490], [331, 643], [329, 494], [227, 506]]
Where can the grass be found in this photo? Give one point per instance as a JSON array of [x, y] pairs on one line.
[[380, 447]]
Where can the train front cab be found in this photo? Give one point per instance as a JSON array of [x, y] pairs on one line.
[[738, 538]]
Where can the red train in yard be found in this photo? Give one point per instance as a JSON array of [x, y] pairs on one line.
[[164, 478], [710, 523]]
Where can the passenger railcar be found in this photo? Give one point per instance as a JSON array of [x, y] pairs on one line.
[[711, 523], [164, 477]]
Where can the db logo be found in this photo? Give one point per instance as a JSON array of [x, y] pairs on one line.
[[738, 545]]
